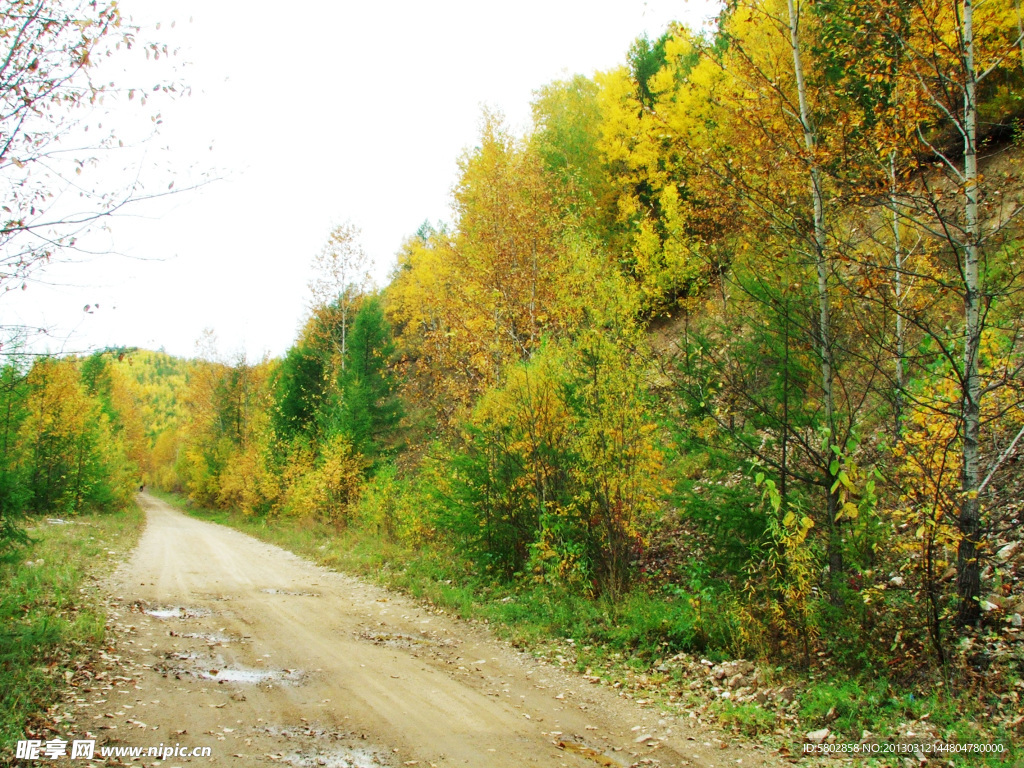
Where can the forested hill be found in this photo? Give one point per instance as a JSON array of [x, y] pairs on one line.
[[733, 333]]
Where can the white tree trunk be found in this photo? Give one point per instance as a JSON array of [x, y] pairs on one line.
[[968, 571], [835, 554]]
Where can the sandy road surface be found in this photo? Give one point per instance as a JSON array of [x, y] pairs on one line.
[[271, 660]]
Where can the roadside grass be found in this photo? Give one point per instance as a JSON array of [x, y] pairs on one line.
[[852, 706], [51, 619], [626, 643]]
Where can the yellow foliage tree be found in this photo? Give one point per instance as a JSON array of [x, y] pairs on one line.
[[72, 458]]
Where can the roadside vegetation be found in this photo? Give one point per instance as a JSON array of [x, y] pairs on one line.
[[52, 616], [72, 454]]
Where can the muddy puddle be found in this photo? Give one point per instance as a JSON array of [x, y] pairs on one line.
[[249, 675], [170, 611], [325, 748], [211, 638], [399, 639], [179, 664]]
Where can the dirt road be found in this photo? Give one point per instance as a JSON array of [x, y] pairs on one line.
[[268, 659]]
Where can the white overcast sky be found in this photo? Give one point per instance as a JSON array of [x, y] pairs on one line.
[[317, 113]]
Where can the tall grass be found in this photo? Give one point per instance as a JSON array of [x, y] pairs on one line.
[[50, 615]]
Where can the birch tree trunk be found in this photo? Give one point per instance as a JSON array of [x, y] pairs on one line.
[[820, 245], [968, 571]]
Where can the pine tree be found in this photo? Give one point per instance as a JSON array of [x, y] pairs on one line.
[[369, 409]]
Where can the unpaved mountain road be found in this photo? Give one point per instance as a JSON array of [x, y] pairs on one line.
[[235, 644]]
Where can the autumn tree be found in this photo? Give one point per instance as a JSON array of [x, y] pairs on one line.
[[557, 470], [505, 251], [957, 54], [754, 123], [846, 139], [121, 401], [72, 459], [48, 87], [482, 297], [934, 84], [341, 278], [567, 127], [226, 458], [672, 215], [43, 82]]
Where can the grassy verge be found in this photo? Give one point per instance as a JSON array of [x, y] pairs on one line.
[[51, 619], [631, 646]]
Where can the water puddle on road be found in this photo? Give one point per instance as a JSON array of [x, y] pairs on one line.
[[211, 638], [249, 675], [187, 663], [173, 611]]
